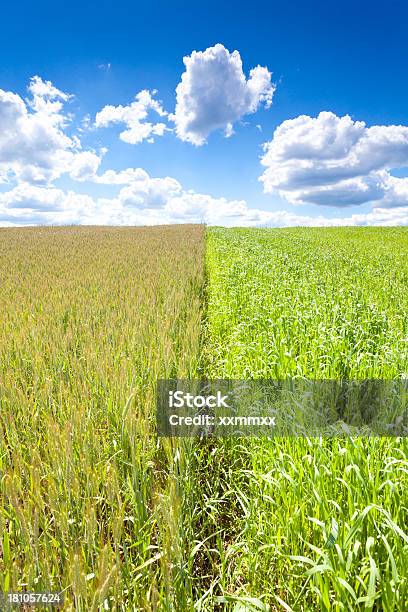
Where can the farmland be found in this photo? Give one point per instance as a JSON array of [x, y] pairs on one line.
[[329, 303], [93, 504], [90, 317]]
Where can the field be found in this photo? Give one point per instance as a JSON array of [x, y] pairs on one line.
[[93, 504], [333, 304], [90, 317]]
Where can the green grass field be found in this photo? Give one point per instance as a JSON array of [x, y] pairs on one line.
[[93, 504], [327, 303]]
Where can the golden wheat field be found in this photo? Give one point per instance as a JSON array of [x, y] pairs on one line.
[[89, 318]]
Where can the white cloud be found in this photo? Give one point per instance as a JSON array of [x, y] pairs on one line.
[[121, 177], [150, 192], [214, 93], [33, 144], [166, 199], [146, 200], [324, 160], [134, 116], [28, 204], [26, 196], [47, 99], [84, 166], [335, 161]]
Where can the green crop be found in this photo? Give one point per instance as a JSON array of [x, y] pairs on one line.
[[310, 523]]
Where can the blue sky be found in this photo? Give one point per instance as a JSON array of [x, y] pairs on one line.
[[343, 58]]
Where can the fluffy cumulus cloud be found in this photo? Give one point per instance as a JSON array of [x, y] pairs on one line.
[[134, 118], [335, 161], [28, 204], [145, 200], [214, 93], [141, 200], [164, 199], [34, 145], [325, 160]]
